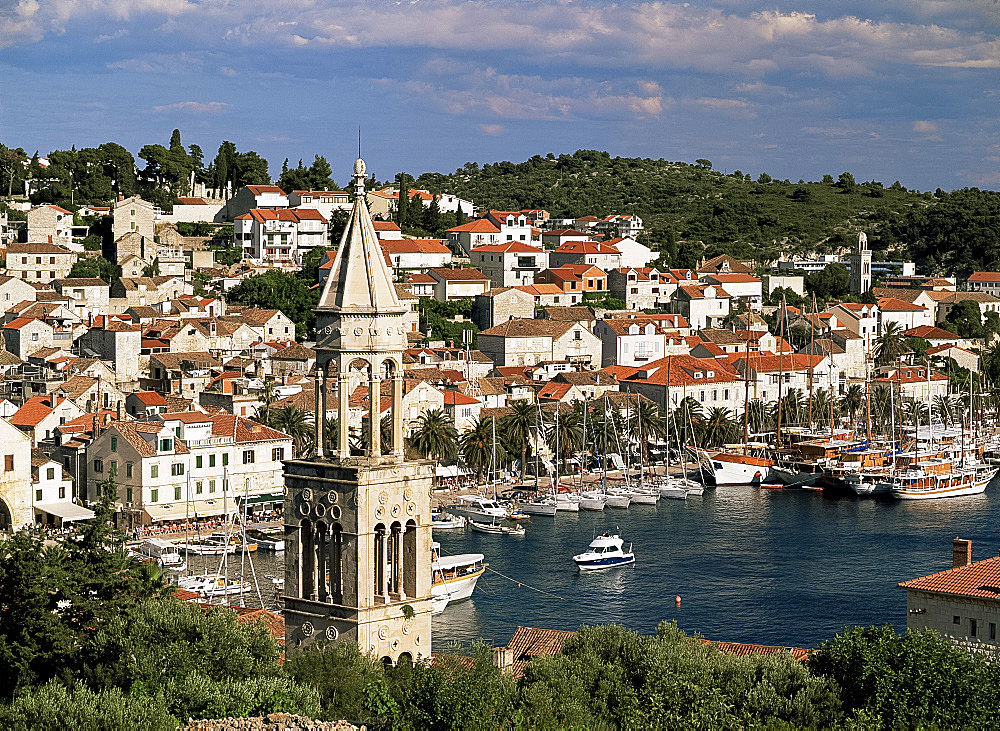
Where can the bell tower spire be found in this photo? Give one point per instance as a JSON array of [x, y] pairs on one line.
[[357, 521]]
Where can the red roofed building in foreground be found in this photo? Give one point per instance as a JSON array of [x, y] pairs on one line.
[[962, 603]]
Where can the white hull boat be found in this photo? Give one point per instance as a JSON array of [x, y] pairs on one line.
[[454, 577], [644, 496], [544, 506], [918, 485], [497, 529], [211, 586], [605, 552], [447, 521], [476, 507], [617, 499], [674, 492], [567, 503], [592, 500]]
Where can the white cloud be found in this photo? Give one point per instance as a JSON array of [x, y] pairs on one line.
[[649, 34], [194, 107], [926, 127], [104, 38], [492, 129]]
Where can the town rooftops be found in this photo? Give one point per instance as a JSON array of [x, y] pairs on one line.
[[456, 398], [150, 398], [34, 410], [979, 579], [928, 332], [80, 282], [509, 247], [531, 642], [586, 247], [946, 347], [891, 304], [455, 275], [19, 322], [479, 226], [385, 226], [566, 232], [527, 328], [414, 246], [265, 190], [984, 277], [291, 215], [37, 248]]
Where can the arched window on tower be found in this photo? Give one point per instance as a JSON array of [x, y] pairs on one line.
[[410, 561]]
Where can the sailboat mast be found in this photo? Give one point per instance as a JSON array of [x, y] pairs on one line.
[[868, 396], [781, 365], [812, 351], [746, 392]]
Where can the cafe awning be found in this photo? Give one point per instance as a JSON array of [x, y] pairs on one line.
[[181, 510], [66, 511]]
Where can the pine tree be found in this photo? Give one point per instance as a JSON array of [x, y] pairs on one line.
[[432, 217]]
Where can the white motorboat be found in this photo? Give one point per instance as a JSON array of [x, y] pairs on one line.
[[497, 529], [605, 552], [267, 540], [455, 577], [166, 553], [567, 502], [542, 506], [211, 586], [615, 498], [592, 500], [206, 547], [477, 507], [447, 521]]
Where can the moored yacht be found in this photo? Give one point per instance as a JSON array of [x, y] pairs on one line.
[[735, 464], [455, 577], [477, 507], [605, 552]]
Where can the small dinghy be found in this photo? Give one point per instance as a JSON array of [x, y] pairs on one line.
[[605, 552]]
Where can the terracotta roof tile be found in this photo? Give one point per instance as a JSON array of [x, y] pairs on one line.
[[979, 579]]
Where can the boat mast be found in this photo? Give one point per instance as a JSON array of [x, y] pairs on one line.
[[746, 393], [868, 396], [493, 458], [812, 374], [557, 446], [781, 365]]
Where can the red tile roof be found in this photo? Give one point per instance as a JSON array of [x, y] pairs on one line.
[[479, 226], [984, 277], [262, 189], [34, 410], [150, 398], [586, 247], [453, 275], [456, 398], [979, 579], [18, 323], [930, 333], [891, 304], [385, 226], [509, 247], [414, 246], [742, 649]]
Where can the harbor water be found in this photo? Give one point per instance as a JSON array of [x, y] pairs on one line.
[[750, 565], [781, 567]]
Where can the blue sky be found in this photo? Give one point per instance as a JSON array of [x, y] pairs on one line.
[[895, 89]]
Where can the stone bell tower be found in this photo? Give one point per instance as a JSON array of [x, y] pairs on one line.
[[358, 522], [861, 266]]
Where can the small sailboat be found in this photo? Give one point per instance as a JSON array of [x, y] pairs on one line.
[[593, 500], [545, 506], [605, 552]]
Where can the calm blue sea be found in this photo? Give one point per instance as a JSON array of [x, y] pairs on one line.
[[751, 565]]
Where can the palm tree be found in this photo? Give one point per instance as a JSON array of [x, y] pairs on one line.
[[759, 420], [265, 411], [719, 427], [478, 449], [852, 400], [944, 408], [331, 434], [435, 436], [385, 434], [914, 411], [517, 427], [793, 407], [891, 344], [296, 423], [651, 424], [821, 407], [570, 436]]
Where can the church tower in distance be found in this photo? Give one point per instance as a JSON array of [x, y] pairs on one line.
[[358, 522], [861, 266]]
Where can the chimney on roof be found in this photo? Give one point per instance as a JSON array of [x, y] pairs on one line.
[[961, 553], [52, 399]]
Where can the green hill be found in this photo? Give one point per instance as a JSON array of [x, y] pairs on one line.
[[731, 213]]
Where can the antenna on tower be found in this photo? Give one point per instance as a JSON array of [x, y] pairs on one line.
[[359, 140]]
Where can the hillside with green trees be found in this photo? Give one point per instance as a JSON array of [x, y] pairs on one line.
[[690, 210], [683, 204]]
